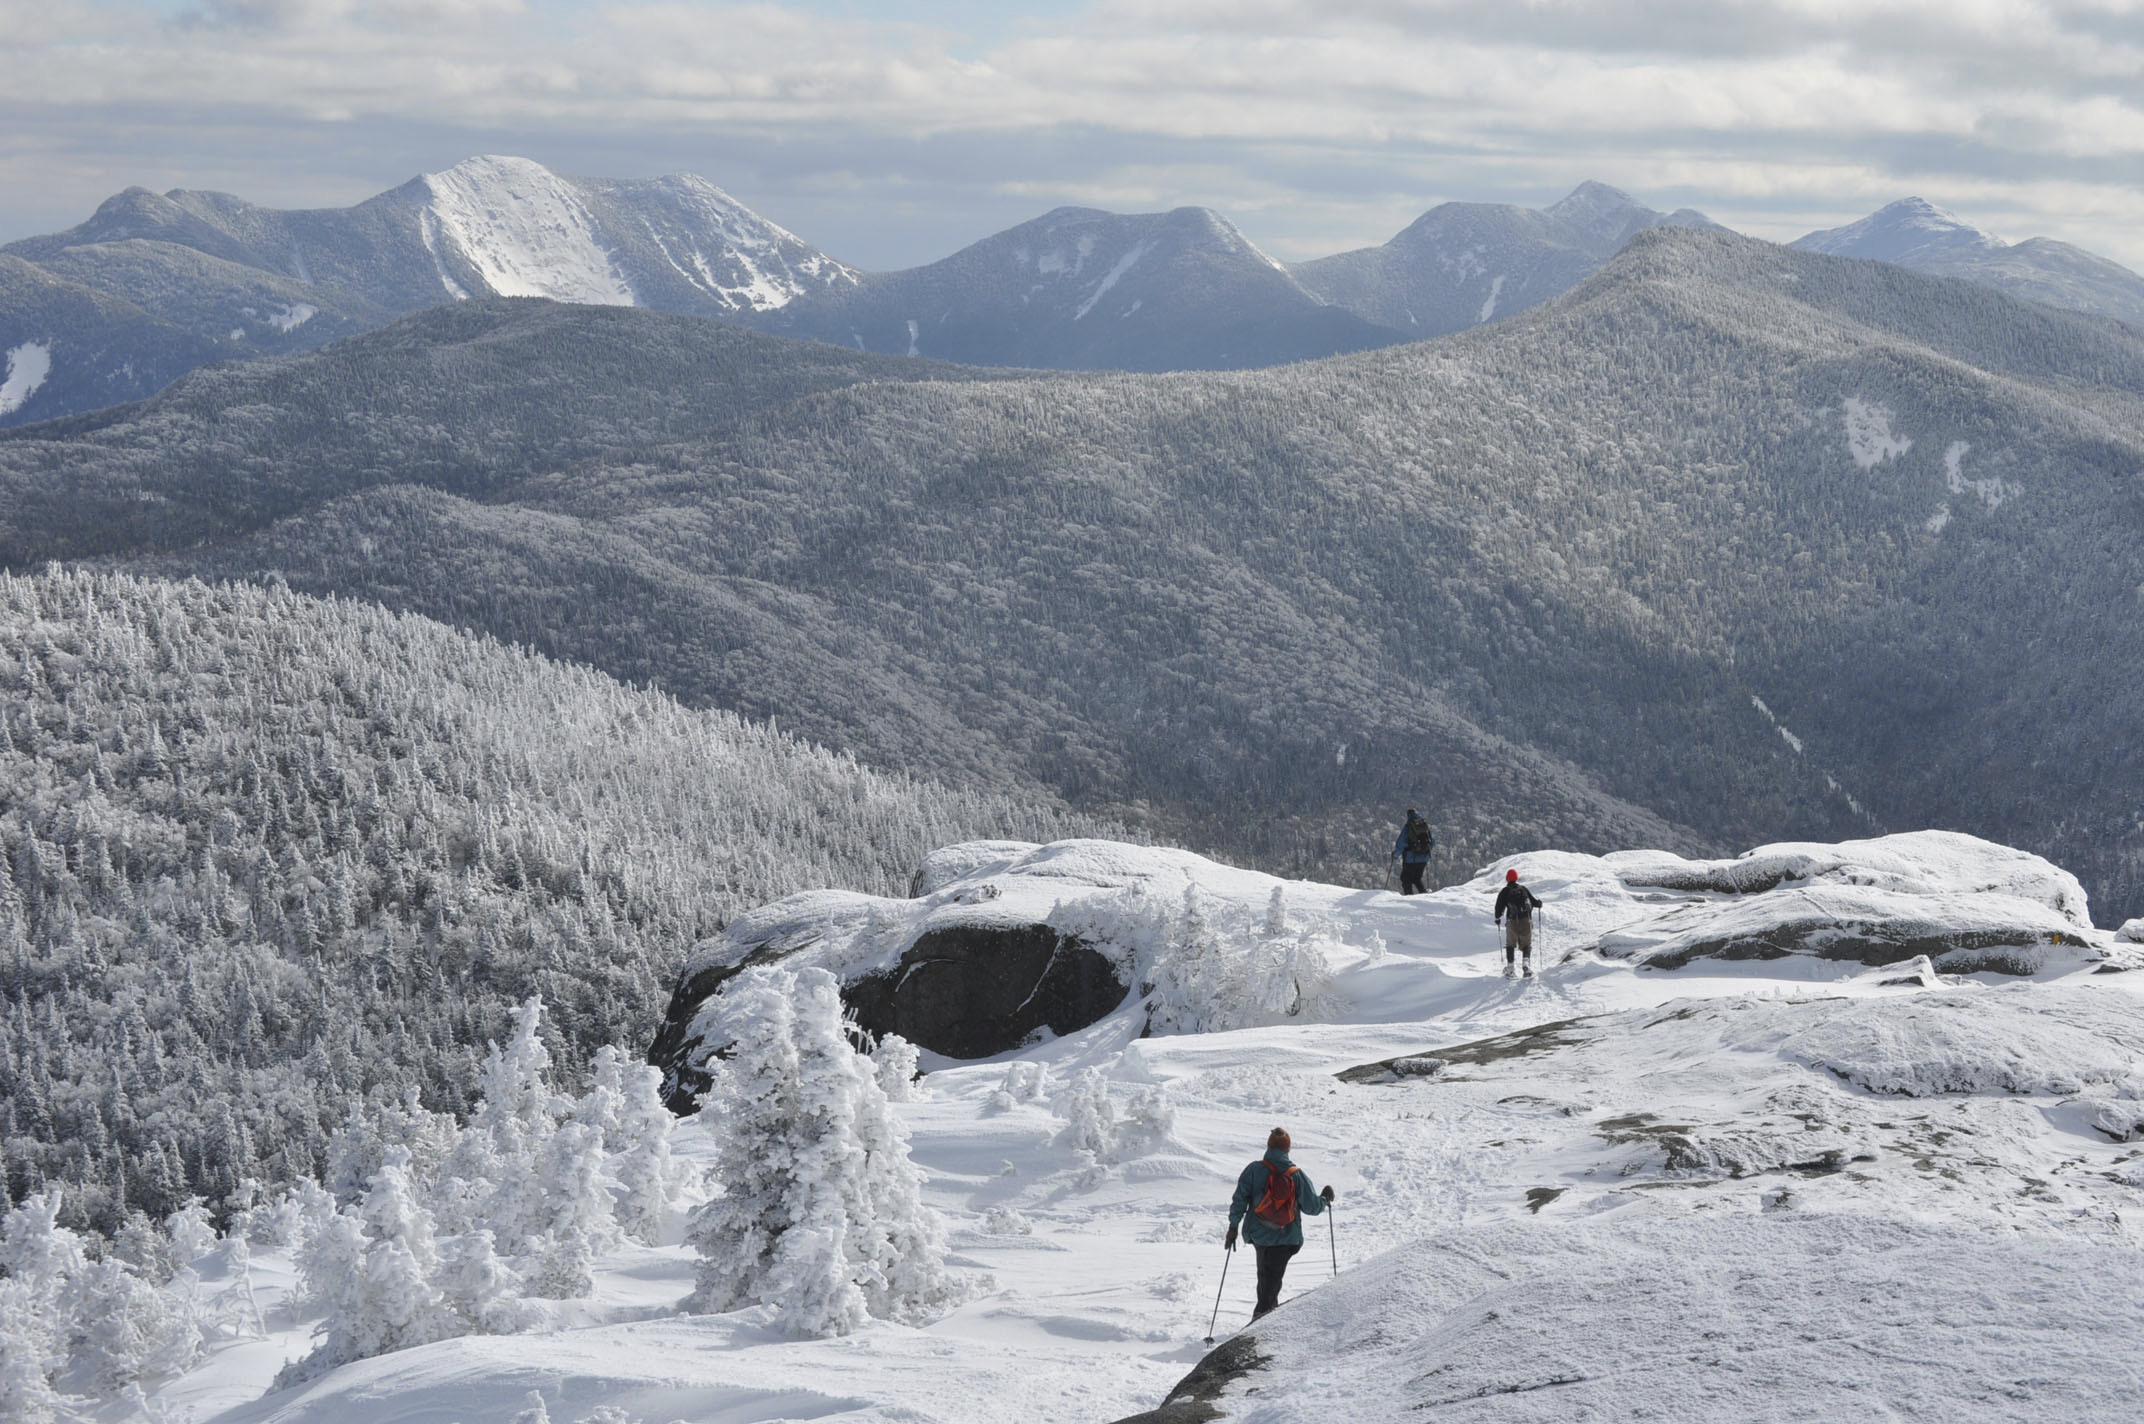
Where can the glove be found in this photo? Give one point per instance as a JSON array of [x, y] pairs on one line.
[[1228, 1242], [1326, 1192]]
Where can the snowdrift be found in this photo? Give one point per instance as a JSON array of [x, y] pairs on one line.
[[1645, 1312]]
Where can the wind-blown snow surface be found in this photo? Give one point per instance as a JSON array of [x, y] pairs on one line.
[[526, 231], [678, 242], [1795, 1188]]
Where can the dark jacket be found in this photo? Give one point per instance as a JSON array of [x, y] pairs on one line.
[[1515, 899], [1252, 1185], [1399, 847]]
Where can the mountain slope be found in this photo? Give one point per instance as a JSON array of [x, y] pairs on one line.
[[240, 280], [1731, 543], [1079, 289], [263, 857], [1915, 233], [66, 347], [1462, 264]]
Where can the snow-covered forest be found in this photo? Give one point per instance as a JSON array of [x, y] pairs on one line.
[[265, 860]]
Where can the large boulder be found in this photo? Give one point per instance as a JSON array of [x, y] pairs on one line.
[[1969, 905], [974, 964]]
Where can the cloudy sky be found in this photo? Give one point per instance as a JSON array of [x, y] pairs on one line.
[[891, 133]]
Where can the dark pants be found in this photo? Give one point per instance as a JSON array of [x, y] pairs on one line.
[[1272, 1265], [1411, 876]]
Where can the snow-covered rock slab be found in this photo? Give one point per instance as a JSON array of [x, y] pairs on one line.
[[1970, 905], [989, 952], [1003, 941], [1646, 1312]]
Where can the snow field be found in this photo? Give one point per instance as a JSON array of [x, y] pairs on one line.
[[1765, 1189], [27, 367]]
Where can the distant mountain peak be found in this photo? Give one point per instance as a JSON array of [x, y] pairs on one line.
[[526, 231], [1909, 229], [1589, 197], [1602, 218]]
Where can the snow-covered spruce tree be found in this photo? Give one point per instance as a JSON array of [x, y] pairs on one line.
[[1207, 971], [894, 1059], [490, 1178], [38, 1260], [383, 1299], [652, 1184], [819, 1212]]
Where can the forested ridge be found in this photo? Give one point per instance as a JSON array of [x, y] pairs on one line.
[[264, 859], [1727, 545]]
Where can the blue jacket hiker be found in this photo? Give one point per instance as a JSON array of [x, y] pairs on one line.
[[1412, 851], [1272, 1197]]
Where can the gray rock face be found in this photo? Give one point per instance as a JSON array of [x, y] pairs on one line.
[[963, 970], [969, 991]]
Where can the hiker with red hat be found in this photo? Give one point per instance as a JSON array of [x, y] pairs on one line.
[[1272, 1198], [1515, 906]]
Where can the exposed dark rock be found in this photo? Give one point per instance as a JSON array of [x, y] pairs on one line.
[[2003, 950], [1541, 1038], [969, 991], [966, 991], [1192, 1401]]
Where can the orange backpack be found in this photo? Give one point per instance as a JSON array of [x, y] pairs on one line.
[[1276, 1204]]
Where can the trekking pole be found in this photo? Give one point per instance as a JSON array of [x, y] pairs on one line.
[[1332, 1238], [1217, 1295]]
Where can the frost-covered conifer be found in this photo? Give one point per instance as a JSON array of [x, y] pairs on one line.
[[481, 1291], [192, 1233], [652, 1184], [1090, 1117], [125, 1329], [490, 1179], [603, 1105], [40, 1260], [389, 1301], [1023, 1083], [30, 1354], [819, 1212], [572, 1183], [894, 1059]]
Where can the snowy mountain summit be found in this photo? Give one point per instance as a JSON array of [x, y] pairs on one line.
[[1080, 288], [511, 227], [1916, 233], [1463, 264], [1907, 232]]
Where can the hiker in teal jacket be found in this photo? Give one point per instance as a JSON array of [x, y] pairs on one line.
[[1275, 1240]]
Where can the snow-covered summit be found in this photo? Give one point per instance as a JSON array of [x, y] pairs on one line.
[[1907, 232], [1602, 218], [1732, 1190], [526, 231], [519, 229]]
